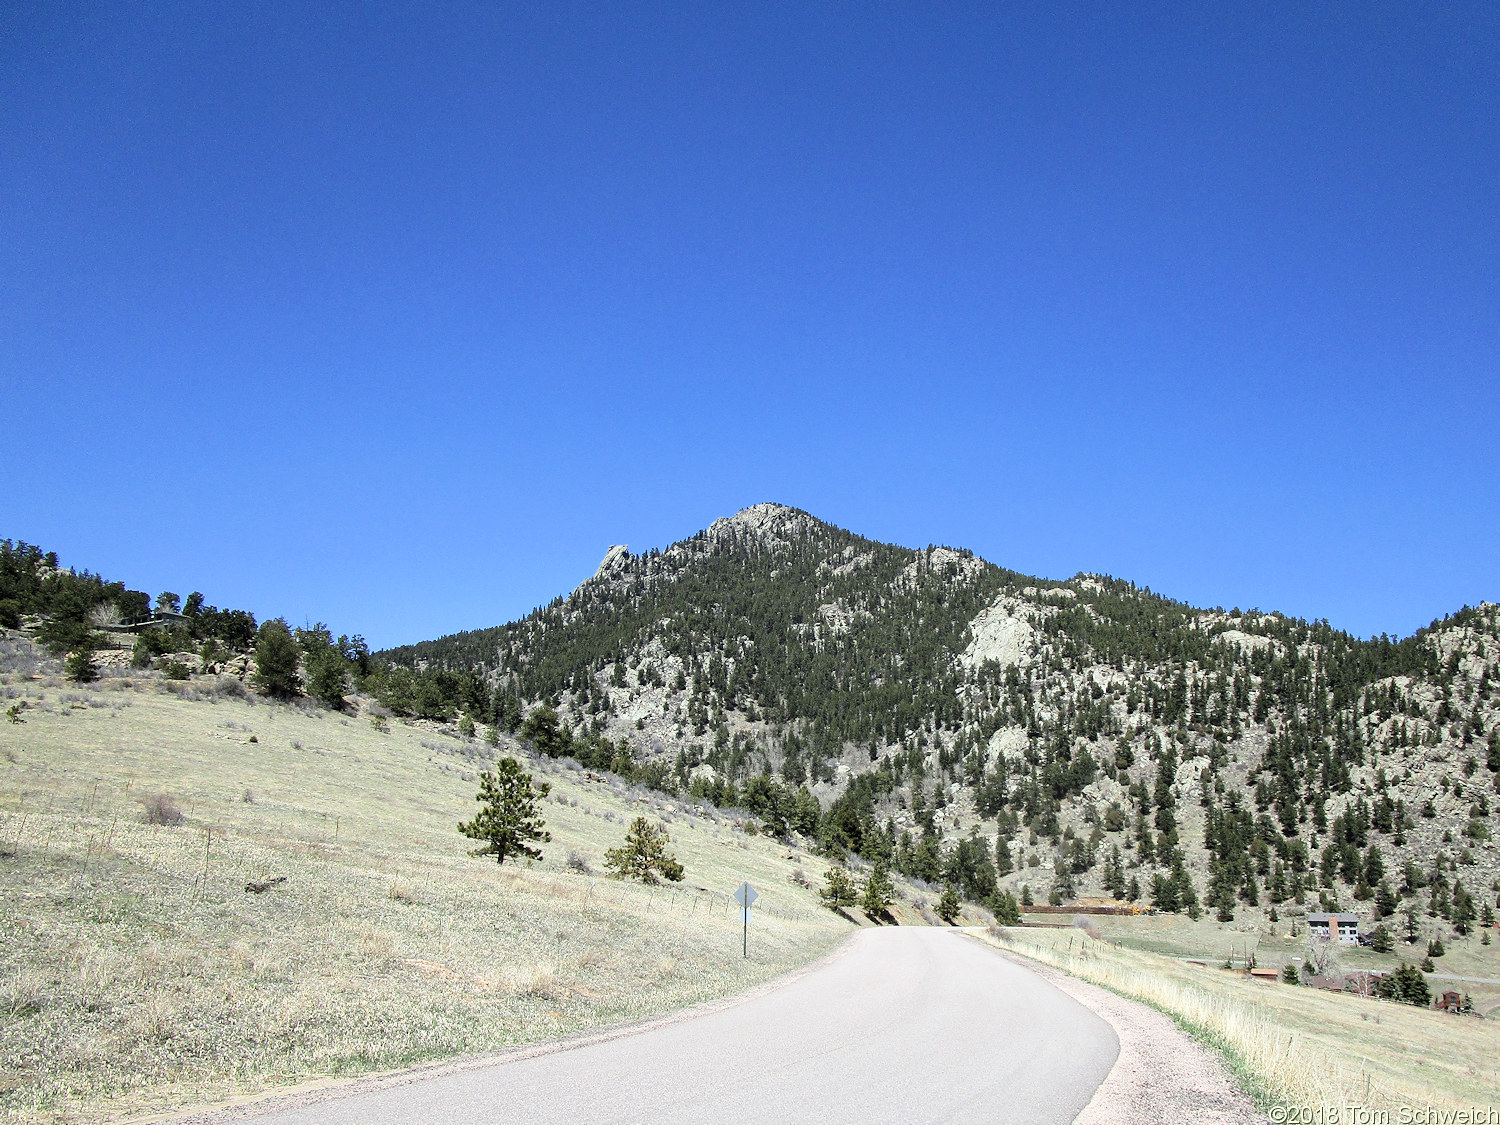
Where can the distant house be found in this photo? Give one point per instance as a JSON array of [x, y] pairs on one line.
[[1451, 1002], [1342, 928], [161, 619]]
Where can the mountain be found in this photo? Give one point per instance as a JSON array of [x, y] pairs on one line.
[[969, 723]]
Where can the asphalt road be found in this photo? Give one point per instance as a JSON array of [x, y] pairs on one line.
[[908, 1024]]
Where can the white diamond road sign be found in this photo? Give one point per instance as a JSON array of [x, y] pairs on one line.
[[745, 895]]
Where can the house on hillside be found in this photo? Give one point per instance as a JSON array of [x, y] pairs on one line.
[[161, 619], [1454, 1002], [1341, 928]]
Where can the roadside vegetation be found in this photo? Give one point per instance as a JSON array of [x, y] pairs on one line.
[[1293, 1046]]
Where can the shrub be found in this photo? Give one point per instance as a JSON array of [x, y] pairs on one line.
[[162, 809], [175, 670], [1435, 948], [644, 855], [231, 687], [579, 862], [1289, 974]]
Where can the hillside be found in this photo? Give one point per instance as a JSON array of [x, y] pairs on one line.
[[206, 894], [979, 726]]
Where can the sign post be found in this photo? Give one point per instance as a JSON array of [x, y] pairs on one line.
[[745, 896]]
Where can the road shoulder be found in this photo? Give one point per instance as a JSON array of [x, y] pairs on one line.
[[1161, 1074]]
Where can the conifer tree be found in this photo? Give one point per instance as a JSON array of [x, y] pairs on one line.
[[644, 855], [838, 889], [80, 666], [949, 904], [508, 820], [276, 659], [879, 892]]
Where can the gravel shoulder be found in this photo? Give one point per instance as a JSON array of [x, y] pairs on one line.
[[1162, 1073]]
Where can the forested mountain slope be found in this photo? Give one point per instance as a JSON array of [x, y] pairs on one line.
[[972, 724]]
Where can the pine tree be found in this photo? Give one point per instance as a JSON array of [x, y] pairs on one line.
[[949, 904], [80, 666], [1410, 929], [276, 658], [644, 855], [327, 677], [1464, 913], [508, 819], [879, 892], [1005, 908], [1004, 864], [1405, 985], [838, 889]]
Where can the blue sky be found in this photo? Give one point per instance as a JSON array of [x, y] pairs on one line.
[[396, 316]]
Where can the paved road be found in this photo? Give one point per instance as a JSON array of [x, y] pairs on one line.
[[1466, 980], [909, 1024]]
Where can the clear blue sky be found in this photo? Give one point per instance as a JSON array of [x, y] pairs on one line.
[[396, 316]]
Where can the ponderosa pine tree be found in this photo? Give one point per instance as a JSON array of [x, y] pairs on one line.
[[838, 889], [276, 660], [508, 820], [1006, 909], [644, 855], [949, 904], [80, 666], [879, 892]]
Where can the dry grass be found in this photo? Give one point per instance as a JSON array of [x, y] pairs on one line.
[[138, 973], [1300, 1047], [1273, 944]]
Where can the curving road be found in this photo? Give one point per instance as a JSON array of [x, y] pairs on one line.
[[908, 1024]]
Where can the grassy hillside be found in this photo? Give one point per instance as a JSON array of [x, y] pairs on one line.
[[137, 972]]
